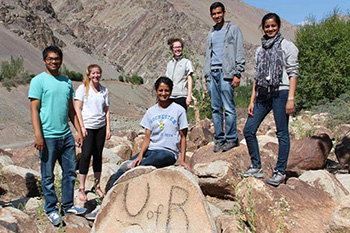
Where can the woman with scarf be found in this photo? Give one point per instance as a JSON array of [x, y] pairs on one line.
[[276, 71]]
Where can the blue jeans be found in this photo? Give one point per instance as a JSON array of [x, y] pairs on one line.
[[157, 158], [63, 150], [261, 109], [221, 95]]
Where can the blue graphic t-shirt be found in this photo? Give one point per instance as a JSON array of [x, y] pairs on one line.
[[165, 124]]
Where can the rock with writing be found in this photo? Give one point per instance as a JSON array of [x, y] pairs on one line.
[[21, 182], [341, 217], [219, 173], [162, 200], [342, 151], [324, 180], [14, 220], [293, 207]]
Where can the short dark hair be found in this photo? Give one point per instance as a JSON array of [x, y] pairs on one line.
[[216, 5], [54, 49], [271, 16], [165, 80], [172, 40]]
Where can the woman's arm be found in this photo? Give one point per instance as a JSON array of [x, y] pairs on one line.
[[78, 106], [108, 123], [183, 149], [290, 101], [189, 93], [144, 147], [251, 104]]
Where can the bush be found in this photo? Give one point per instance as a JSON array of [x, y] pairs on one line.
[[71, 74], [137, 80], [242, 96], [13, 73], [324, 59], [121, 78]]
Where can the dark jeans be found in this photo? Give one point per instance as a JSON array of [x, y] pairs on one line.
[[278, 105], [221, 95], [63, 150], [157, 158], [93, 145]]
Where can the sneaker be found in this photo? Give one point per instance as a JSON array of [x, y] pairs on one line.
[[218, 146], [54, 218], [229, 145], [76, 210], [126, 165], [252, 171], [91, 216], [276, 179]]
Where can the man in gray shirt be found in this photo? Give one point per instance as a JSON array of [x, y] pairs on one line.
[[224, 63]]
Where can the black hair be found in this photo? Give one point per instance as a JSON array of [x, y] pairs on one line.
[[271, 16], [54, 49], [172, 40], [216, 5], [165, 80]]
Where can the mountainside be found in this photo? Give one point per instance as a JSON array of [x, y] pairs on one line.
[[130, 35]]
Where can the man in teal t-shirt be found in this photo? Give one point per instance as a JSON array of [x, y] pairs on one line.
[[51, 103]]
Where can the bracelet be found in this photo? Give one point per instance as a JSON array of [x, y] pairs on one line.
[[290, 98]]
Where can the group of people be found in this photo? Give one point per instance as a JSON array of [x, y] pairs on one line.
[[53, 102]]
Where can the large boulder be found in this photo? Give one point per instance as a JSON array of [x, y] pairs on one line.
[[230, 224], [27, 157], [199, 136], [219, 173], [342, 151], [14, 220], [344, 179], [306, 154], [76, 224], [111, 155], [160, 200], [340, 222], [20, 182], [327, 182], [137, 144], [293, 207]]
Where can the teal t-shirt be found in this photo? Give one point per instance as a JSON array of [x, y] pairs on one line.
[[54, 94]]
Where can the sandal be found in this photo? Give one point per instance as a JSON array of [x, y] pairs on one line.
[[99, 192], [82, 194]]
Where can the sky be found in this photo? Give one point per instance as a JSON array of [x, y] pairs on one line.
[[297, 11]]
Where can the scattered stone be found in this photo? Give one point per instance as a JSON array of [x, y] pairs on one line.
[[200, 136], [327, 182], [27, 157], [5, 160], [340, 221], [163, 200], [344, 179], [230, 224], [137, 144], [76, 224], [293, 207], [130, 135], [14, 220], [110, 156], [342, 151], [33, 204], [342, 130]]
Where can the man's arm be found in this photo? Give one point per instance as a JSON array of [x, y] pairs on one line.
[[74, 119], [34, 113]]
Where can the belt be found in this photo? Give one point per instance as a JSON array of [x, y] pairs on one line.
[[216, 70]]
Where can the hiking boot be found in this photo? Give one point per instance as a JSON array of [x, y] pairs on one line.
[[76, 210], [54, 218], [252, 171], [218, 146], [91, 216], [126, 165], [276, 179], [229, 145]]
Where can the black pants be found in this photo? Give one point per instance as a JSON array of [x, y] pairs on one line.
[[93, 145], [181, 101]]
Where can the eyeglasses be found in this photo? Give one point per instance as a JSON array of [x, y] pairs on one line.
[[51, 59], [177, 47]]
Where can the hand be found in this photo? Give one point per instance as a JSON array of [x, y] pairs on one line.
[[188, 100], [39, 143], [251, 109], [108, 135], [84, 132], [290, 107], [79, 140], [136, 161], [186, 166], [236, 81]]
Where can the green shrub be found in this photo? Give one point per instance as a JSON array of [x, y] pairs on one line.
[[121, 78], [242, 96], [324, 60], [71, 74], [137, 80], [13, 73]]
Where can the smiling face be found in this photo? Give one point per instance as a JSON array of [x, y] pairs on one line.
[[53, 62], [217, 14], [163, 92], [176, 48], [270, 27], [95, 75]]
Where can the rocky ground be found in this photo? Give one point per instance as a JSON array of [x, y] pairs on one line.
[[211, 198]]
